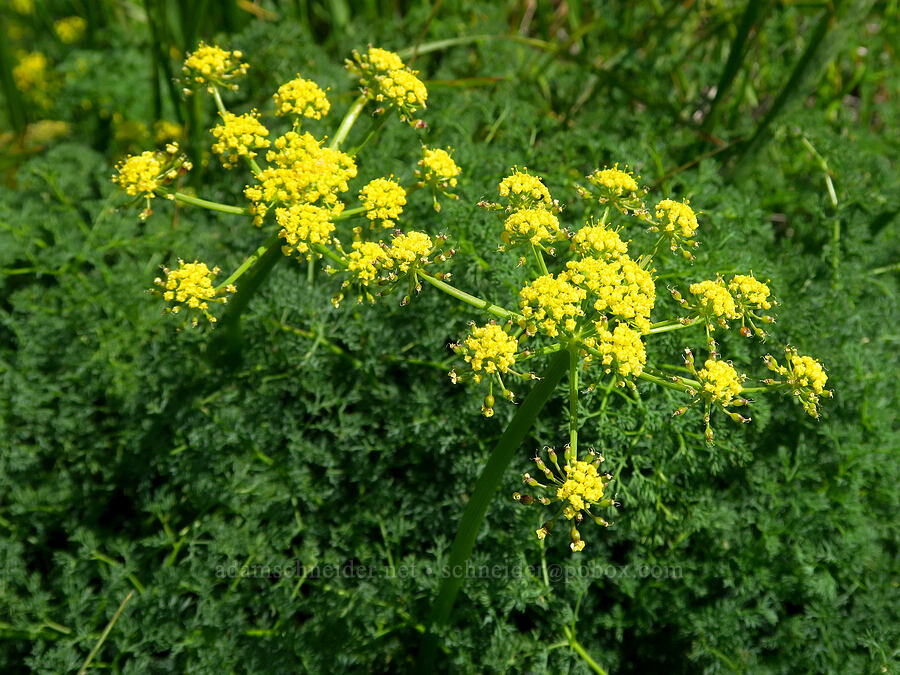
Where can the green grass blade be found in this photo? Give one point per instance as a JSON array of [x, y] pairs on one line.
[[106, 631], [487, 485]]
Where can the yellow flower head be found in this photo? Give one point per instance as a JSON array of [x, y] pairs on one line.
[[805, 375], [613, 182], [438, 169], [302, 226], [239, 136], [210, 65], [677, 222], [191, 286], [720, 381], [533, 226], [750, 292], [524, 191], [622, 348], [69, 29], [598, 241], [383, 200], [578, 485], [145, 174], [714, 301], [33, 76], [300, 171], [490, 349], [387, 80], [551, 302], [410, 250], [367, 260], [301, 97], [619, 287]]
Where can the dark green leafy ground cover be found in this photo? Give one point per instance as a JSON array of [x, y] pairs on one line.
[[338, 451]]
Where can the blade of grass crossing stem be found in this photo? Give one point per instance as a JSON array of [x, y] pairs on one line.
[[736, 55], [106, 631], [836, 22], [488, 482]]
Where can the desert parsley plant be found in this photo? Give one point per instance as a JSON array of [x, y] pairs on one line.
[[587, 300]]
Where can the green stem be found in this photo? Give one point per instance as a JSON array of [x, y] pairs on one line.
[[539, 257], [347, 123], [668, 326], [496, 310], [582, 652], [572, 450], [206, 204], [328, 253], [487, 485], [249, 262], [374, 127], [105, 634], [662, 382], [349, 213]]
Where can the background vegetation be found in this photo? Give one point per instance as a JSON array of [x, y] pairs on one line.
[[129, 463]]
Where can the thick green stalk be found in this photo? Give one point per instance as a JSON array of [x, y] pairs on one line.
[[496, 310], [347, 123], [572, 451], [250, 261], [487, 485], [206, 204]]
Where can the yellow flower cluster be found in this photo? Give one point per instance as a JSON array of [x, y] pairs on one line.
[[366, 261], [140, 174], [302, 226], [579, 486], [805, 375], [531, 225], [438, 168], [300, 171], [383, 199], [750, 292], [238, 136], [525, 191], [621, 288], [490, 349], [191, 286], [613, 181], [212, 65], [598, 241], [583, 486], [679, 218], [32, 76], [622, 347], [69, 29], [720, 381], [410, 250], [301, 97], [714, 300], [549, 303], [386, 79]]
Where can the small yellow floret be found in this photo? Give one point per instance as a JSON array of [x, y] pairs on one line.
[[622, 347], [620, 287], [614, 180], [383, 200], [366, 261], [70, 29], [678, 218], [749, 291], [583, 486], [302, 226], [598, 241], [532, 225], [524, 190], [301, 97], [549, 303], [211, 65], [491, 349], [140, 174], [720, 381], [714, 300], [438, 168], [410, 249], [239, 136]]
